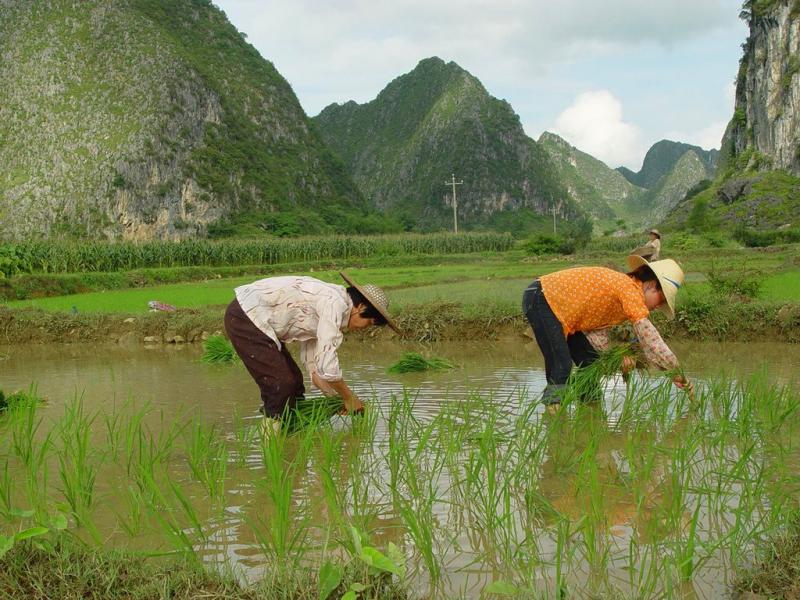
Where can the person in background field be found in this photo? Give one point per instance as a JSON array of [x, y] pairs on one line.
[[570, 312], [268, 313], [655, 243]]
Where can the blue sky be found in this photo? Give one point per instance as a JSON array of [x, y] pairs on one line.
[[612, 77]]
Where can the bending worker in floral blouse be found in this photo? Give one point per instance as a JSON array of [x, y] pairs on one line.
[[270, 312], [570, 312]]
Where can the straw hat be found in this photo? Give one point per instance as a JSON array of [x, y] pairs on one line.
[[376, 296], [669, 274], [656, 232]]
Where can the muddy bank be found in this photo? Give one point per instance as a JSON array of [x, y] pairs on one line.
[[699, 320]]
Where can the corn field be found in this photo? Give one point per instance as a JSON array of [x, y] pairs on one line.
[[72, 257]]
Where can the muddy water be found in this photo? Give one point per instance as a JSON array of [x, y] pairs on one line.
[[171, 376], [174, 381]]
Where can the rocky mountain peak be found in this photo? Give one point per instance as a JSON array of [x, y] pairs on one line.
[[765, 130]]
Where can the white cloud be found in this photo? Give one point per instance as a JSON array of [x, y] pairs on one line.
[[594, 124]]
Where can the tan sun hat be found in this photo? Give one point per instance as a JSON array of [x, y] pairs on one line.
[[376, 296], [669, 274], [656, 232]]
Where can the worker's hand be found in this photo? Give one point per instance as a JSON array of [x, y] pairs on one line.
[[353, 406], [628, 364], [683, 383], [322, 385]]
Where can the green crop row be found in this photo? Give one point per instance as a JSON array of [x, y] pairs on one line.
[[71, 257]]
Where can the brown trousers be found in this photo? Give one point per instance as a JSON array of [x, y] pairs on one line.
[[274, 371]]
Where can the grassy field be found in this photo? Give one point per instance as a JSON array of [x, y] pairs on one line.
[[220, 291], [498, 280]]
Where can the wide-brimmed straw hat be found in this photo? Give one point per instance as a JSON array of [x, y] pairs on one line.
[[669, 274], [656, 232], [376, 297]]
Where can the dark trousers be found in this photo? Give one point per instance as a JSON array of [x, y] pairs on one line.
[[274, 371], [559, 351]]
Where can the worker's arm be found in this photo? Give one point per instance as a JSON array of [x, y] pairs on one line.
[[351, 402], [658, 353], [598, 338]]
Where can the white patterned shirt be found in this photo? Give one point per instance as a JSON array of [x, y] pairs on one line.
[[302, 309]]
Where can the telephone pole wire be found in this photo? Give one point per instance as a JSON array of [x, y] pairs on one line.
[[454, 183]]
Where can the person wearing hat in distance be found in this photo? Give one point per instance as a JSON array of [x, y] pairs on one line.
[[655, 243], [570, 312], [268, 313]]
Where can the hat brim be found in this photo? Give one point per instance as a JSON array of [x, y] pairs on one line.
[[368, 296], [634, 262]]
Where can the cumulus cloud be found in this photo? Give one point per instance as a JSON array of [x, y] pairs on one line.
[[594, 124]]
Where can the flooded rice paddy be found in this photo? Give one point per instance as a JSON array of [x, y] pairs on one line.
[[646, 494]]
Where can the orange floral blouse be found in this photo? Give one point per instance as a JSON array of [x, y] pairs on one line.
[[592, 299]]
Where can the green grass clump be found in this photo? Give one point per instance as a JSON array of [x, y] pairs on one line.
[[68, 569], [413, 362], [777, 573], [16, 400], [217, 349]]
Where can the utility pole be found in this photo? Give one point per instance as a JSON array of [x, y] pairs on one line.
[[555, 208], [454, 183]]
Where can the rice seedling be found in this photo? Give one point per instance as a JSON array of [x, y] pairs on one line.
[[32, 453], [281, 536], [413, 362], [77, 471], [217, 349], [244, 436], [131, 517], [208, 458], [416, 472]]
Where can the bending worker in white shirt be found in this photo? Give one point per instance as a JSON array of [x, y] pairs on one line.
[[270, 312]]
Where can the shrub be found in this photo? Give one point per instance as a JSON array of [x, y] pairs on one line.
[[549, 244], [684, 241], [734, 283], [755, 238]]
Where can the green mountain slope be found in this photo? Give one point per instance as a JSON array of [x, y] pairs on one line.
[[689, 170], [599, 190], [661, 158], [435, 121], [149, 119]]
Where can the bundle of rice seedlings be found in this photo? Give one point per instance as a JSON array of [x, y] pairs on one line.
[[312, 412], [585, 383], [217, 349], [412, 362]]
